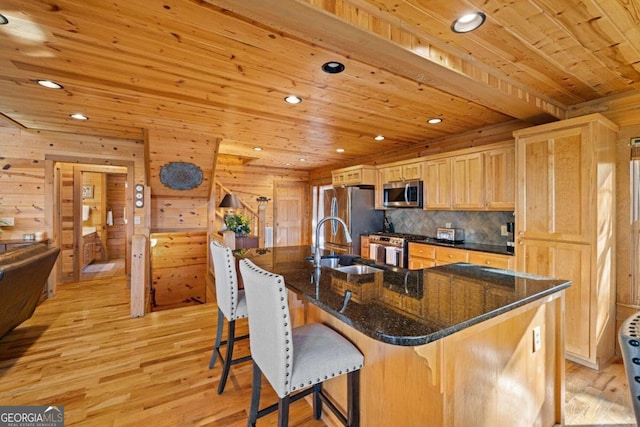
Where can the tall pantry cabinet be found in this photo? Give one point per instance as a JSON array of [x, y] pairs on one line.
[[565, 213]]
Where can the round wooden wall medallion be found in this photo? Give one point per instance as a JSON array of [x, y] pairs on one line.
[[180, 175]]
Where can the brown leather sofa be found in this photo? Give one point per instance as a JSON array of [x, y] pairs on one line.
[[23, 277]]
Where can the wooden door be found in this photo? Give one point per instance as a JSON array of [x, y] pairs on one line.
[[567, 261], [554, 174], [468, 182], [290, 211], [500, 178]]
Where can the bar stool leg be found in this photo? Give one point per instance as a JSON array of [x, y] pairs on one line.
[[317, 401], [255, 395], [216, 347], [227, 361], [353, 398], [283, 411]]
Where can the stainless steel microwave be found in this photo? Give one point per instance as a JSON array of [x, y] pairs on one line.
[[402, 194]]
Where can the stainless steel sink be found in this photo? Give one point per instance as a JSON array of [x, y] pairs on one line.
[[327, 261], [330, 262], [357, 269]]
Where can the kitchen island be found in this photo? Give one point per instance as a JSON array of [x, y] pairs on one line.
[[454, 345]]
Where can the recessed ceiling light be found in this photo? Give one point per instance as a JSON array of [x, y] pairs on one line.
[[78, 116], [379, 138], [468, 22], [340, 150], [302, 159], [3, 20], [434, 121], [49, 84], [333, 67], [292, 99], [257, 148]]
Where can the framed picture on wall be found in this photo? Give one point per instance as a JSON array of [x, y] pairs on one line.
[[87, 191]]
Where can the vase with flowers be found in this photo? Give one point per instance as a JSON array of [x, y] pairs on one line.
[[238, 223]]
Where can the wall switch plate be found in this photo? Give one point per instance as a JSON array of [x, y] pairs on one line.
[[537, 339], [503, 230], [7, 221], [136, 220], [447, 224]]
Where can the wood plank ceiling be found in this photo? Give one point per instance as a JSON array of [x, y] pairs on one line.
[[223, 67]]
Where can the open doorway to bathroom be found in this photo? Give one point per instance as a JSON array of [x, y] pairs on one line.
[[103, 248], [92, 221]]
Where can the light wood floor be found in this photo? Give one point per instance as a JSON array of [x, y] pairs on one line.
[[82, 350]]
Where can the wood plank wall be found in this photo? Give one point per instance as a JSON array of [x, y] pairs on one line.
[[23, 155], [179, 269], [249, 182]]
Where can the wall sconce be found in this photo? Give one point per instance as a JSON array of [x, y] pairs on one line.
[[262, 202]]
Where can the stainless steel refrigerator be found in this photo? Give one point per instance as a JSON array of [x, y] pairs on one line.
[[355, 206]]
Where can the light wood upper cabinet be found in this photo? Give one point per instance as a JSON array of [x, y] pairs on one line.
[[403, 172], [500, 178], [379, 194], [437, 185], [556, 181], [354, 175], [468, 181], [479, 178]]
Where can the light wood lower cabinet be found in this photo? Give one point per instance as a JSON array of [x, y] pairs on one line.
[[569, 261], [88, 249], [364, 247], [425, 256], [446, 255], [505, 262], [421, 256]]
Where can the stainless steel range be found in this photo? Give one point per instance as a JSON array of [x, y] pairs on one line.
[[391, 248]]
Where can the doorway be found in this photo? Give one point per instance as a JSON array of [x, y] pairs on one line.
[[102, 252], [89, 219]]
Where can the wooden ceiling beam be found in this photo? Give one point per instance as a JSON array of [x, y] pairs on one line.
[[358, 34]]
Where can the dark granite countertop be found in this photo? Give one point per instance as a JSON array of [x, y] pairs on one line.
[[405, 307], [494, 249]]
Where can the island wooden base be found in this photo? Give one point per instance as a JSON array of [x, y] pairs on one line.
[[485, 375]]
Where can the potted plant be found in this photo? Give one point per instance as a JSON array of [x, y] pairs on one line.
[[238, 223]]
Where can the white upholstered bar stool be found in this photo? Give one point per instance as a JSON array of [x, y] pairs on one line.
[[294, 359], [629, 339], [232, 305]]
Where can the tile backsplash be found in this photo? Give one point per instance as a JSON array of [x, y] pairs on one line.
[[479, 227]]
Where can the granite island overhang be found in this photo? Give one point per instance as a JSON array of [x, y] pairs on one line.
[[458, 339]]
